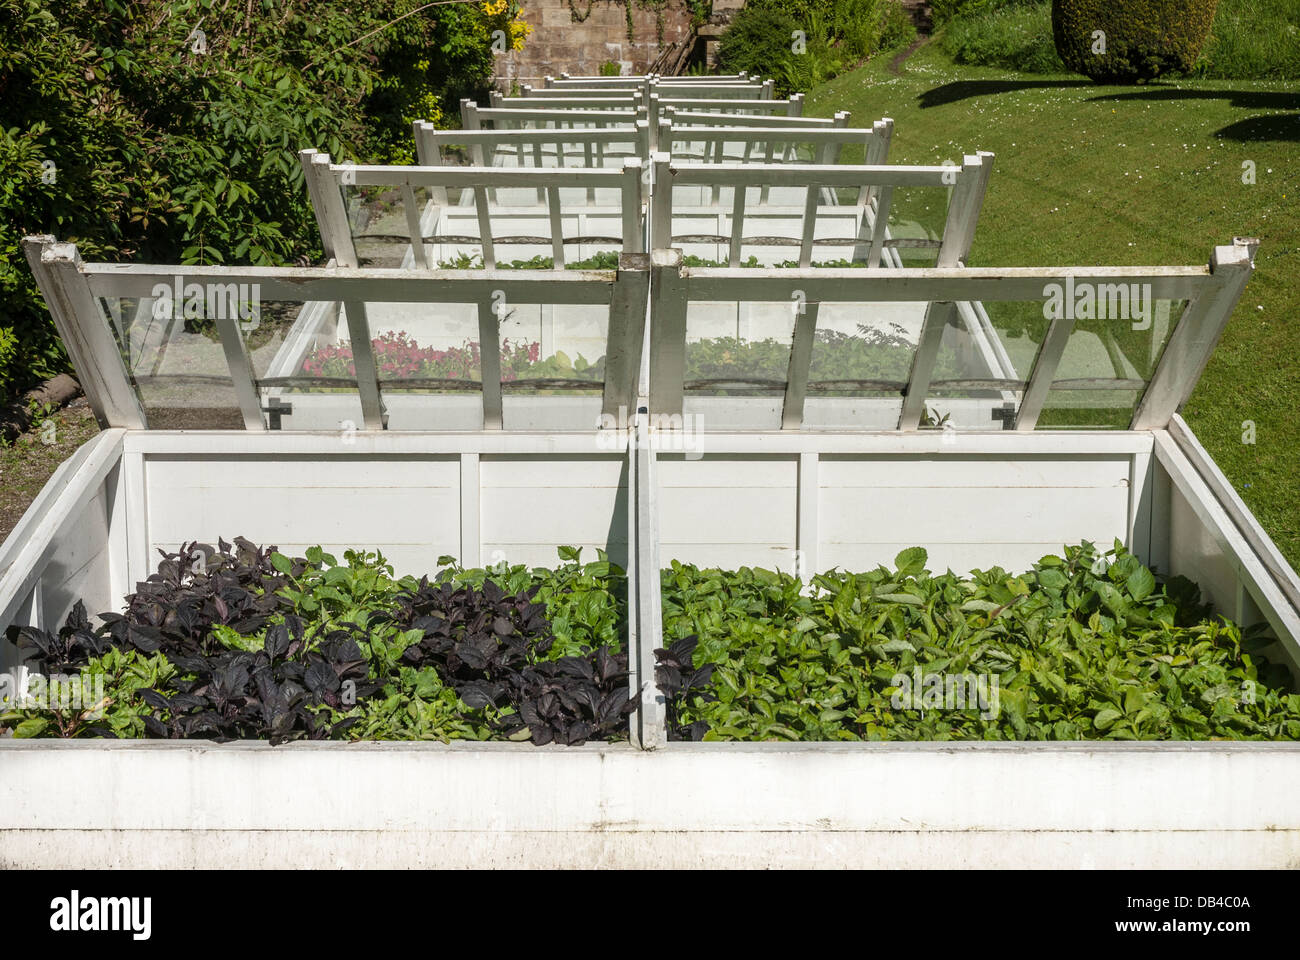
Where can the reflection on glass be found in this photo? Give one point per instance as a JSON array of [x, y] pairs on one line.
[[175, 362], [738, 349], [1108, 363], [553, 349]]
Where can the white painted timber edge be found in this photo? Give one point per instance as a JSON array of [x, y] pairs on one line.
[[398, 442], [176, 804], [23, 555], [1242, 555]]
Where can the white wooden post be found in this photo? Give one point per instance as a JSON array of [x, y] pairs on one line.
[[668, 306], [85, 334], [485, 227], [661, 208], [737, 225], [633, 225], [327, 204], [964, 209], [649, 721], [489, 346], [557, 227], [627, 322], [1196, 335]]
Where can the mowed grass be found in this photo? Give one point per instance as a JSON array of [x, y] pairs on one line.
[[1133, 176]]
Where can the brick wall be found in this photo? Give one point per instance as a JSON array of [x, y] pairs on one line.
[[558, 44]]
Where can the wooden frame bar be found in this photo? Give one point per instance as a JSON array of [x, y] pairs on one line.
[[58, 270], [1195, 336], [937, 316], [363, 359], [668, 306], [489, 349], [1045, 366], [627, 328]]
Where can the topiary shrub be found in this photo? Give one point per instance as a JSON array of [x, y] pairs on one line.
[[758, 41], [1137, 40]]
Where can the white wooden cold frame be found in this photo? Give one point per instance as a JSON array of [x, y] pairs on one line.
[[646, 490]]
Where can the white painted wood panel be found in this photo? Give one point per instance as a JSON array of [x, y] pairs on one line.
[[728, 511], [407, 508], [985, 471], [531, 505], [78, 566], [992, 515]]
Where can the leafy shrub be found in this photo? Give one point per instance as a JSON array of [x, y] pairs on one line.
[[836, 36], [123, 130], [1015, 36], [1085, 646], [1142, 41], [758, 41]]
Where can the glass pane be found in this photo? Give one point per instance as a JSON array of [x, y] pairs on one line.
[[983, 367], [738, 349], [551, 350], [861, 359], [914, 225], [1108, 362], [378, 221], [175, 360], [304, 371]]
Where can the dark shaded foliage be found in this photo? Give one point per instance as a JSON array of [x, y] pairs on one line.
[[488, 643]]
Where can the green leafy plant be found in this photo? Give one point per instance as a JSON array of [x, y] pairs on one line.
[[1087, 645], [243, 642]]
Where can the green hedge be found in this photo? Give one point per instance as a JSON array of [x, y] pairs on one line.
[[1142, 41]]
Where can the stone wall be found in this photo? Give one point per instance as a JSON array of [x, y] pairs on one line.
[[559, 44]]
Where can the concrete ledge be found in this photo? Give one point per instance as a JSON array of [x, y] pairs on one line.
[[191, 804]]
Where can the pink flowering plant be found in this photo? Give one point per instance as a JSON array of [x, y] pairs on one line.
[[399, 357]]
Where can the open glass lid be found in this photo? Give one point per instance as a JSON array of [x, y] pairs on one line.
[[937, 348], [879, 349], [350, 348]]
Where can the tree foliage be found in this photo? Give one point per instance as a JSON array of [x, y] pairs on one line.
[[167, 130]]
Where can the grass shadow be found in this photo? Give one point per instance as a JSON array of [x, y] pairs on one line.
[[1240, 99], [965, 89], [1276, 127]]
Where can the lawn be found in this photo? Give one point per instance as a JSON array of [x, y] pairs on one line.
[[1130, 176]]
